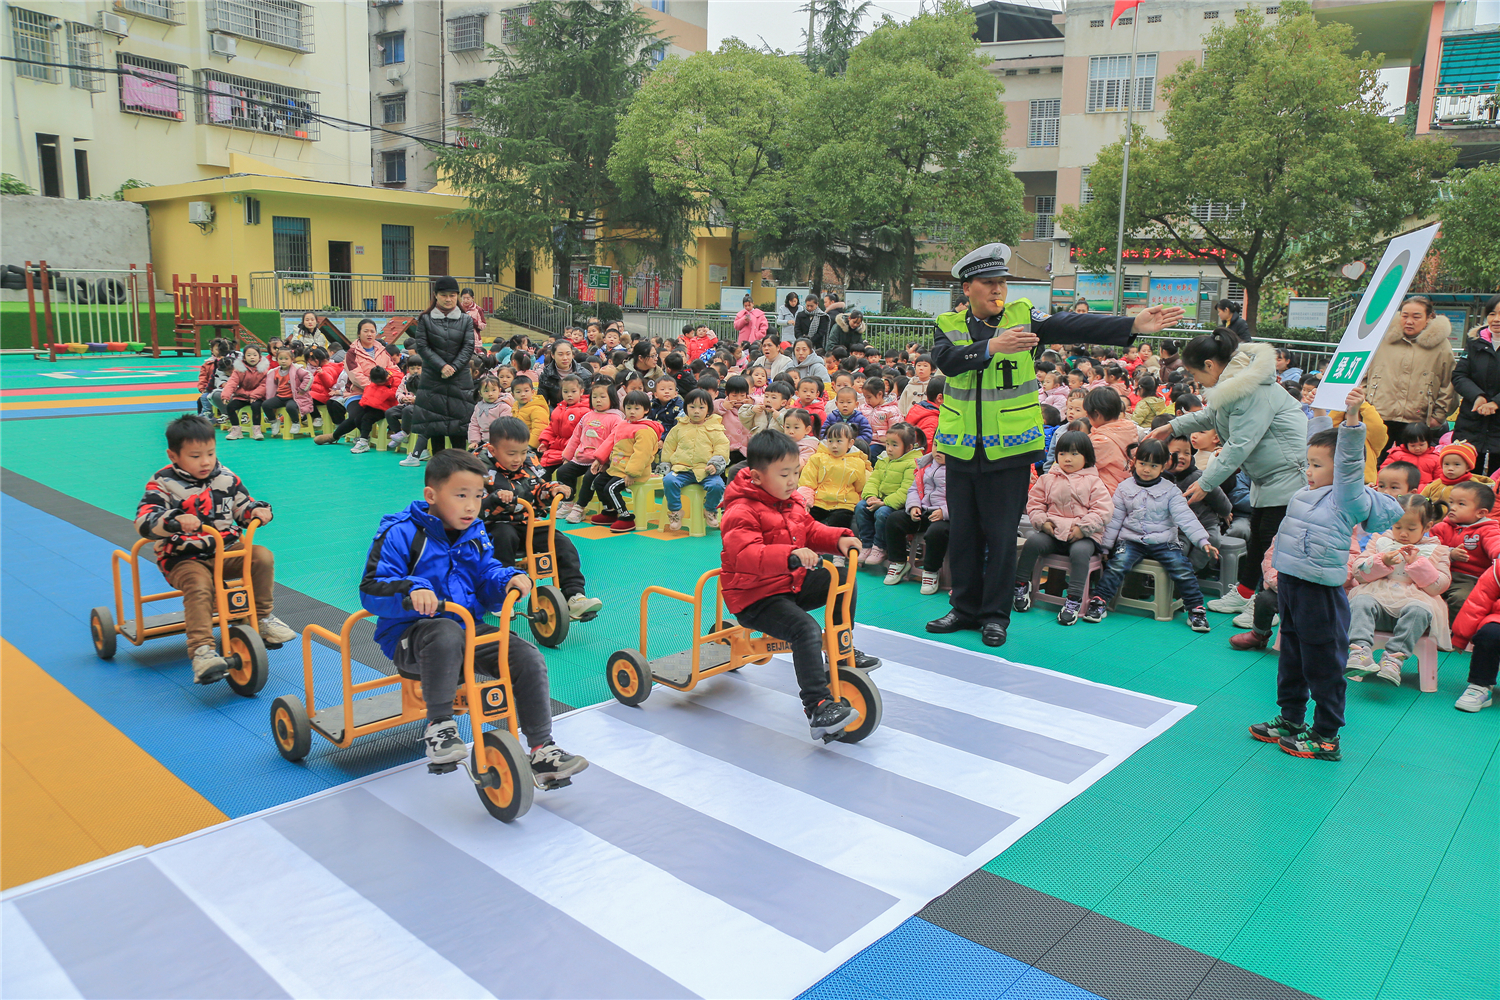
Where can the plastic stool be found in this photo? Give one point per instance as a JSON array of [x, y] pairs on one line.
[[1162, 603], [694, 500], [1060, 562], [286, 425], [648, 504], [1231, 551], [1427, 658], [379, 435]]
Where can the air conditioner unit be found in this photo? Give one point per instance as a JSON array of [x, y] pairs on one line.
[[200, 213], [393, 74], [114, 24], [222, 45]]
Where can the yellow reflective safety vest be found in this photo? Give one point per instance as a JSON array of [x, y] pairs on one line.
[[997, 407]]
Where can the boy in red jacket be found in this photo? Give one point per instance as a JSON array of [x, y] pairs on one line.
[[923, 415], [1478, 624], [1472, 535], [772, 577]]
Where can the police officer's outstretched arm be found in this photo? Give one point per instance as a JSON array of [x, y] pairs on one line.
[[1097, 328], [950, 359]]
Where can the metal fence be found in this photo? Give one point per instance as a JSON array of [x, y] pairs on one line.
[[325, 292], [71, 306]]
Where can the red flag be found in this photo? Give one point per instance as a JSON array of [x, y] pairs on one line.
[[1121, 6]]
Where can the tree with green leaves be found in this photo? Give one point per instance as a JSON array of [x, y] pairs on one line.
[[543, 126], [838, 33], [709, 133], [1276, 156], [915, 145], [1470, 240]]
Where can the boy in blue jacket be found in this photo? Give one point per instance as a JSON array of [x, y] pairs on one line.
[[1312, 563], [434, 551]]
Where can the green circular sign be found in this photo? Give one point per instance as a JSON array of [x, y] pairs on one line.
[[1385, 291]]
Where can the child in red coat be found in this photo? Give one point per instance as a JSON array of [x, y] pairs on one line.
[[1478, 624], [923, 415], [1412, 446], [572, 408], [771, 574]]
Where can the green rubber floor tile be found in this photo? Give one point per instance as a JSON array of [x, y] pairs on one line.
[[1251, 809], [1476, 830], [1411, 978], [1385, 914], [1219, 863], [1088, 874], [1392, 861], [1156, 791], [1464, 882], [1126, 829], [1306, 954], [1451, 937], [1176, 902], [1391, 812]]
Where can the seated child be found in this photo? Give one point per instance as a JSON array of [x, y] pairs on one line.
[[1149, 511], [489, 408], [245, 387], [180, 499], [736, 395], [1455, 465], [286, 389], [1112, 434], [802, 427], [880, 414], [833, 480], [1399, 584], [1211, 511], [1312, 564], [515, 476], [846, 411], [770, 582], [434, 551], [1069, 508], [1473, 537], [810, 397], [769, 412], [1412, 445], [398, 417], [885, 491], [562, 421], [623, 461], [591, 431], [531, 408], [923, 414], [694, 452], [666, 405], [1398, 479], [926, 514], [1478, 626]]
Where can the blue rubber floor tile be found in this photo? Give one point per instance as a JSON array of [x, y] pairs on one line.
[[1039, 985], [837, 986], [921, 961]]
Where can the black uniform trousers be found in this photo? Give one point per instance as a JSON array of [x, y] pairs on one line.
[[984, 505]]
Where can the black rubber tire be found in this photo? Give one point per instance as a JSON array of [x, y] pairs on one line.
[[102, 626], [865, 697], [550, 602], [629, 677], [12, 281], [80, 291], [255, 665], [512, 800], [110, 291], [290, 727]]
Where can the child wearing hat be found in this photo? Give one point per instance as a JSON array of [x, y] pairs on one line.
[[1456, 463]]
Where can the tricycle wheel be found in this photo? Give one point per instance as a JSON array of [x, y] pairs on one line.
[[248, 674], [500, 759], [290, 727], [629, 677], [864, 697], [102, 625], [549, 616]]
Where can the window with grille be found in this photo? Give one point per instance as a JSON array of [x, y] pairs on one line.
[[85, 57], [286, 24], [512, 21], [1236, 292], [1214, 211], [464, 95], [1109, 78], [466, 33], [1044, 121], [1273, 10], [393, 109], [150, 87], [1034, 71], [1085, 193], [393, 165], [1132, 283], [392, 48], [1153, 19], [1046, 209], [1097, 23], [31, 34], [395, 250], [291, 244], [1010, 72], [1126, 20], [255, 106], [158, 10], [1210, 15]]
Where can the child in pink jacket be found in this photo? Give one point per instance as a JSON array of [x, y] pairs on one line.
[[288, 386], [1069, 506], [591, 432], [880, 413]]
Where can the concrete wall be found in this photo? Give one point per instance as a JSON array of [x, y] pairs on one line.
[[86, 235]]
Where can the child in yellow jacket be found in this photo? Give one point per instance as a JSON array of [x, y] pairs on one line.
[[631, 448], [695, 452], [529, 407], [834, 478]]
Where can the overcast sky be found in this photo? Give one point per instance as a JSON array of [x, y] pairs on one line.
[[779, 22]]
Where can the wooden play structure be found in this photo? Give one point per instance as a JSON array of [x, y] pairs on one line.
[[207, 306]]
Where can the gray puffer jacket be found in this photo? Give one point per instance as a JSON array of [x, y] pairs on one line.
[[1263, 430], [1313, 541], [1151, 515]]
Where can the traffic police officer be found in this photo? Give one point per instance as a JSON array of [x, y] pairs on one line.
[[990, 426]]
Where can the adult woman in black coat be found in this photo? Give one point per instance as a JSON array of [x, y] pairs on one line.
[[1476, 378], [444, 339], [1229, 315]]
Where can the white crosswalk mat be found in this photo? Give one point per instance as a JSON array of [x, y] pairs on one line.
[[711, 850]]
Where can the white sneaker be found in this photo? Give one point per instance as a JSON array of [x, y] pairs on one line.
[[397, 438], [209, 666], [1474, 698], [317, 423], [297, 428], [1231, 603], [895, 574], [275, 430], [581, 604], [360, 447], [276, 632], [442, 743], [1246, 619], [411, 461], [575, 515], [929, 582], [1390, 667]]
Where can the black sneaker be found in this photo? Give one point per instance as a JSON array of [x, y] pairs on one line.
[[1312, 746], [553, 767], [1096, 611], [442, 743], [1276, 729], [830, 718], [1069, 612], [1022, 602], [1198, 620], [865, 661]]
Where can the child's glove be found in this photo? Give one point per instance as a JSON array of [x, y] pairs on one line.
[[716, 465], [662, 468]]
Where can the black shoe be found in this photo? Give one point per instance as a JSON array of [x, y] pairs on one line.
[[553, 767], [953, 621], [865, 661], [1096, 611], [992, 634], [1022, 600], [1198, 620], [830, 718]]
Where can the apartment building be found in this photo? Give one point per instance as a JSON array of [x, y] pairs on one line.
[[425, 53], [167, 91]]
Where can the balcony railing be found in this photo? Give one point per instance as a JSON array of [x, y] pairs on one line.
[[168, 11], [255, 106], [1465, 111], [286, 24], [323, 292]]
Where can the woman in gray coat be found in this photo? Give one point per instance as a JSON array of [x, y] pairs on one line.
[[1262, 430], [444, 339]]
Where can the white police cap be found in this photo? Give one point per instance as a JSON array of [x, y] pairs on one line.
[[986, 262]]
